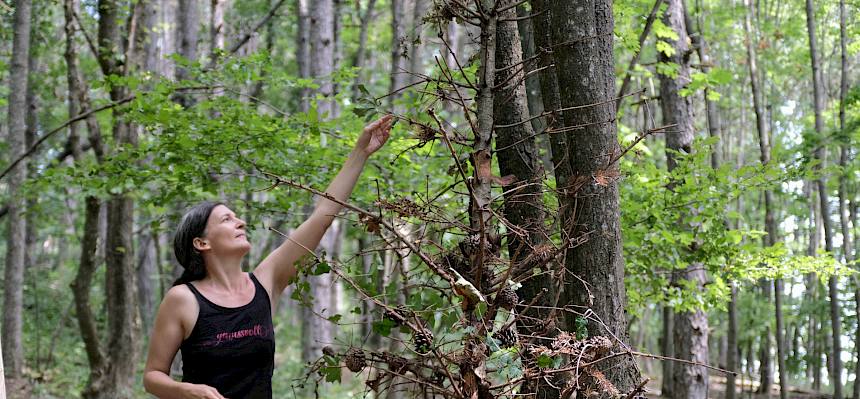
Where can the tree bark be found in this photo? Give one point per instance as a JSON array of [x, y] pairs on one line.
[[821, 154], [769, 221], [217, 30], [690, 330], [518, 156], [319, 332], [416, 41], [399, 49], [585, 69], [81, 285], [13, 290], [360, 57], [120, 280], [189, 29], [732, 353], [303, 21], [322, 46]]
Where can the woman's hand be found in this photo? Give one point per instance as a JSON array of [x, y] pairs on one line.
[[374, 136], [200, 391]]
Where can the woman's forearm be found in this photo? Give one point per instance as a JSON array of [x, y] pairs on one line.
[[162, 386], [341, 187]]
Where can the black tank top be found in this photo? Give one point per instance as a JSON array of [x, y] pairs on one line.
[[232, 349]]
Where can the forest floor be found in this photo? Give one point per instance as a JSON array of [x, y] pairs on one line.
[[717, 390]]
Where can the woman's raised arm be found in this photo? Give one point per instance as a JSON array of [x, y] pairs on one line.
[[277, 269]]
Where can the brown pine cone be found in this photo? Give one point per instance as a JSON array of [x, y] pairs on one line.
[[354, 360]]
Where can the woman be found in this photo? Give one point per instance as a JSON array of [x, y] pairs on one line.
[[221, 318]]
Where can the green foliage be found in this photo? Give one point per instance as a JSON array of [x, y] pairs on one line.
[[668, 229]]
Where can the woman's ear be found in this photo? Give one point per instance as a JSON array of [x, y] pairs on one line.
[[200, 244]]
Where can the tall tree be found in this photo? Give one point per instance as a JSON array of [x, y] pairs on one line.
[[584, 59], [123, 317], [189, 29], [217, 29], [303, 21], [399, 50], [821, 155], [690, 330], [318, 332], [769, 220], [13, 288], [81, 286], [518, 156]]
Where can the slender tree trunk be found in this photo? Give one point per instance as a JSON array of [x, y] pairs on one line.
[[667, 348], [189, 29], [81, 285], [2, 374], [844, 214], [533, 92], [360, 54], [690, 330], [518, 156], [303, 22], [217, 29], [732, 352], [585, 69], [821, 154], [123, 317], [399, 48], [416, 40], [13, 290], [318, 332], [770, 226]]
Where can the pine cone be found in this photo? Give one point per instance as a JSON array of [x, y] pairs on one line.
[[396, 316], [354, 360], [507, 338], [423, 341], [507, 299]]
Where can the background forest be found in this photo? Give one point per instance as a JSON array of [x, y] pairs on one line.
[[593, 197]]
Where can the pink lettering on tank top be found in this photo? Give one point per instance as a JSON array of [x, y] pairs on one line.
[[256, 331]]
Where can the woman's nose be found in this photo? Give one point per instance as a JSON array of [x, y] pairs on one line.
[[240, 223]]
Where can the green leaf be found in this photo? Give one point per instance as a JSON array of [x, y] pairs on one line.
[[383, 327], [544, 361], [665, 48], [321, 268]]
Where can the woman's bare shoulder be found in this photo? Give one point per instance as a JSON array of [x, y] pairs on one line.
[[179, 306], [179, 300]]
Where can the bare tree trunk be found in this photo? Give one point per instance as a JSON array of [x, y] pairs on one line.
[[318, 332], [399, 48], [844, 214], [81, 286], [189, 29], [303, 50], [821, 154], [360, 57], [120, 284], [770, 226], [533, 91], [518, 156], [13, 289], [217, 30], [732, 352], [322, 48], [416, 39], [585, 69], [2, 375], [690, 330]]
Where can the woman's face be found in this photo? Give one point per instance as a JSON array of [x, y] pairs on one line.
[[225, 234]]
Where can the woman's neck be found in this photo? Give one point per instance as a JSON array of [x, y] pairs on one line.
[[225, 274]]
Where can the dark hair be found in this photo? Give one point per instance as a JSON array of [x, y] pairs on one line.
[[192, 225]]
